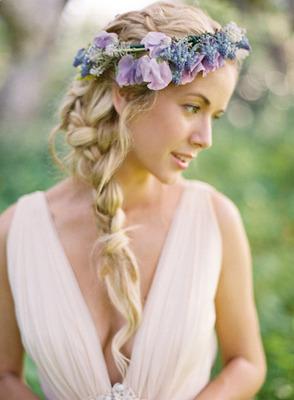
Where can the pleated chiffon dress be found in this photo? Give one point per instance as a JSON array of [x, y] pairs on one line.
[[175, 346]]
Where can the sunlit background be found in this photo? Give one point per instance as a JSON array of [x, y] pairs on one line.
[[251, 160], [77, 13]]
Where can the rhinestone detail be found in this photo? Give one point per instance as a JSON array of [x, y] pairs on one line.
[[119, 391]]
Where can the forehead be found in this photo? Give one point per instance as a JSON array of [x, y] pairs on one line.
[[217, 86]]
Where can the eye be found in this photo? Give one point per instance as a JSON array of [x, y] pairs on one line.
[[191, 108]]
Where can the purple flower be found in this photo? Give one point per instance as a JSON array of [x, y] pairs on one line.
[[145, 69], [210, 66], [155, 42], [157, 74], [127, 71], [105, 39], [195, 68]]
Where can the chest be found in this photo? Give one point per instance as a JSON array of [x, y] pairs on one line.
[[147, 243]]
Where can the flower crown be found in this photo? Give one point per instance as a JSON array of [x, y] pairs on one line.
[[167, 59]]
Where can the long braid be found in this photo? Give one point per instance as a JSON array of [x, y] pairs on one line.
[[100, 142]]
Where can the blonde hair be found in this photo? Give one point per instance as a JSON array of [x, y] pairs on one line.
[[99, 141]]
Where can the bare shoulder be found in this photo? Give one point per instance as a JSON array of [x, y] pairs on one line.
[[223, 205], [68, 196], [61, 201], [225, 209], [57, 191], [53, 194]]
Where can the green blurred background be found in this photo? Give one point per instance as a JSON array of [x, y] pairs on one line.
[[251, 160]]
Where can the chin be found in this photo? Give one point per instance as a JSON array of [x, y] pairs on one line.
[[169, 179]]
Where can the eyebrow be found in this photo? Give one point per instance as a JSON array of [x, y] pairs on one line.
[[204, 98]]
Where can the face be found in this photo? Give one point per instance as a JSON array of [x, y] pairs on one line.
[[180, 122]]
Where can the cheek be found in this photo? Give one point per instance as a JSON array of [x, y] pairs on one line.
[[159, 132], [170, 126], [155, 133]]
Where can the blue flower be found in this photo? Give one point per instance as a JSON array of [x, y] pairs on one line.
[[85, 68], [79, 58]]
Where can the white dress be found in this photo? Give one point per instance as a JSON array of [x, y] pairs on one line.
[[175, 346]]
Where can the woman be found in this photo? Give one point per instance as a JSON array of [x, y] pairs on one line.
[[118, 280]]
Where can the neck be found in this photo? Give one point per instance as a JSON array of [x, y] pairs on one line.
[[138, 193]]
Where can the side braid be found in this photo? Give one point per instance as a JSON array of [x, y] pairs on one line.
[[99, 143]]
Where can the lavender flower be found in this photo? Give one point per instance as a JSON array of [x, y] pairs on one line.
[[212, 58], [105, 39], [155, 42], [224, 46]]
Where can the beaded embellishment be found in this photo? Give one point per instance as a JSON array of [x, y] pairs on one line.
[[119, 391]]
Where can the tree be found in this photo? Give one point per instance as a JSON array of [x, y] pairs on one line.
[[31, 30]]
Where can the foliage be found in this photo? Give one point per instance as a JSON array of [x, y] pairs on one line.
[[251, 161]]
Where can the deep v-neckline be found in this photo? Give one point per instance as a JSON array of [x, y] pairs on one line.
[[156, 275]]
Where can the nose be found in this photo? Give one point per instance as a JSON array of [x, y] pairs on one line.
[[201, 135]]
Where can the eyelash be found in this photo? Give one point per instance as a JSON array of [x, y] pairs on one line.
[[197, 108]]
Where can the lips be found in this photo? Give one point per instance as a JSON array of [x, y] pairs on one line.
[[183, 157]]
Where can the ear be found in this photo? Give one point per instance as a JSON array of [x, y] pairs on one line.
[[118, 99]]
